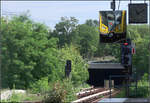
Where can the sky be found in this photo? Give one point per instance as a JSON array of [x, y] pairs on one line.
[[50, 12]]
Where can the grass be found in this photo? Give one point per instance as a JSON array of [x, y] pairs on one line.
[[79, 88], [30, 97], [19, 97], [3, 90], [121, 94], [142, 91], [106, 58], [101, 96]]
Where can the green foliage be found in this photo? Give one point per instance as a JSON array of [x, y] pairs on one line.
[[40, 86], [19, 97], [62, 91], [79, 72], [91, 22], [16, 97], [122, 94], [32, 55], [140, 36], [64, 30], [143, 90], [145, 77], [27, 53], [87, 40], [108, 50], [85, 36]]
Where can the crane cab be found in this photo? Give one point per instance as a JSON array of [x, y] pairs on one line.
[[112, 26]]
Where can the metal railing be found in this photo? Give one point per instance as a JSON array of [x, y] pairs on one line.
[[132, 88]]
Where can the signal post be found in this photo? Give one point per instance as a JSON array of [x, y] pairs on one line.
[[113, 30]]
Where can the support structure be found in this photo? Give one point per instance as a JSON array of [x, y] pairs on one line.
[[113, 6], [126, 86]]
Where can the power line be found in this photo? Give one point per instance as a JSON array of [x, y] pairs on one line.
[[8, 13]]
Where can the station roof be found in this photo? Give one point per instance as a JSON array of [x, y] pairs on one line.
[[102, 65]]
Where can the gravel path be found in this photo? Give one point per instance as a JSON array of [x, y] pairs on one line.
[[8, 93]]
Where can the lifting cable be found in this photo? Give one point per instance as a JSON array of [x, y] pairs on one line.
[[119, 5], [130, 1]]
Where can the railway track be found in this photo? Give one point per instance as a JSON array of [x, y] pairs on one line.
[[106, 96], [94, 95]]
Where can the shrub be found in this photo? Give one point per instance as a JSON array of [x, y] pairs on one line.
[[79, 72], [145, 77], [142, 89], [62, 91], [16, 97], [41, 86]]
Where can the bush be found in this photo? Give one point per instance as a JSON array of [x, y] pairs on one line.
[[142, 90], [79, 73], [62, 91], [27, 52], [41, 86], [16, 97], [145, 77]]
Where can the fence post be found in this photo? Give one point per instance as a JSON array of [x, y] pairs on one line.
[[110, 86]]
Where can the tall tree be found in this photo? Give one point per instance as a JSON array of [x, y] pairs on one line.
[[27, 53], [87, 40], [91, 22], [65, 29]]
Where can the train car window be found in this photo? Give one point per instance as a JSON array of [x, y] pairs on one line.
[[118, 18], [111, 19], [104, 18], [110, 16]]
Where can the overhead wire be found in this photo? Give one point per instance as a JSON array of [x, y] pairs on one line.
[[130, 1], [119, 5]]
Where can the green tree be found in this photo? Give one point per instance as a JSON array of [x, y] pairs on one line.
[[79, 72], [64, 30], [91, 22], [87, 39], [140, 36], [27, 53]]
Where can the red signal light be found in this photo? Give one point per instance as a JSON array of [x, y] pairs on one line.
[[110, 23], [133, 51], [125, 43]]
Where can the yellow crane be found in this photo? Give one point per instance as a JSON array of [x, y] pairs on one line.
[[112, 25]]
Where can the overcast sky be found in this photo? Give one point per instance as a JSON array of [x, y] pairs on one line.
[[49, 12]]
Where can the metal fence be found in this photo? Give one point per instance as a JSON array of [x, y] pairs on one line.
[[133, 88]]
